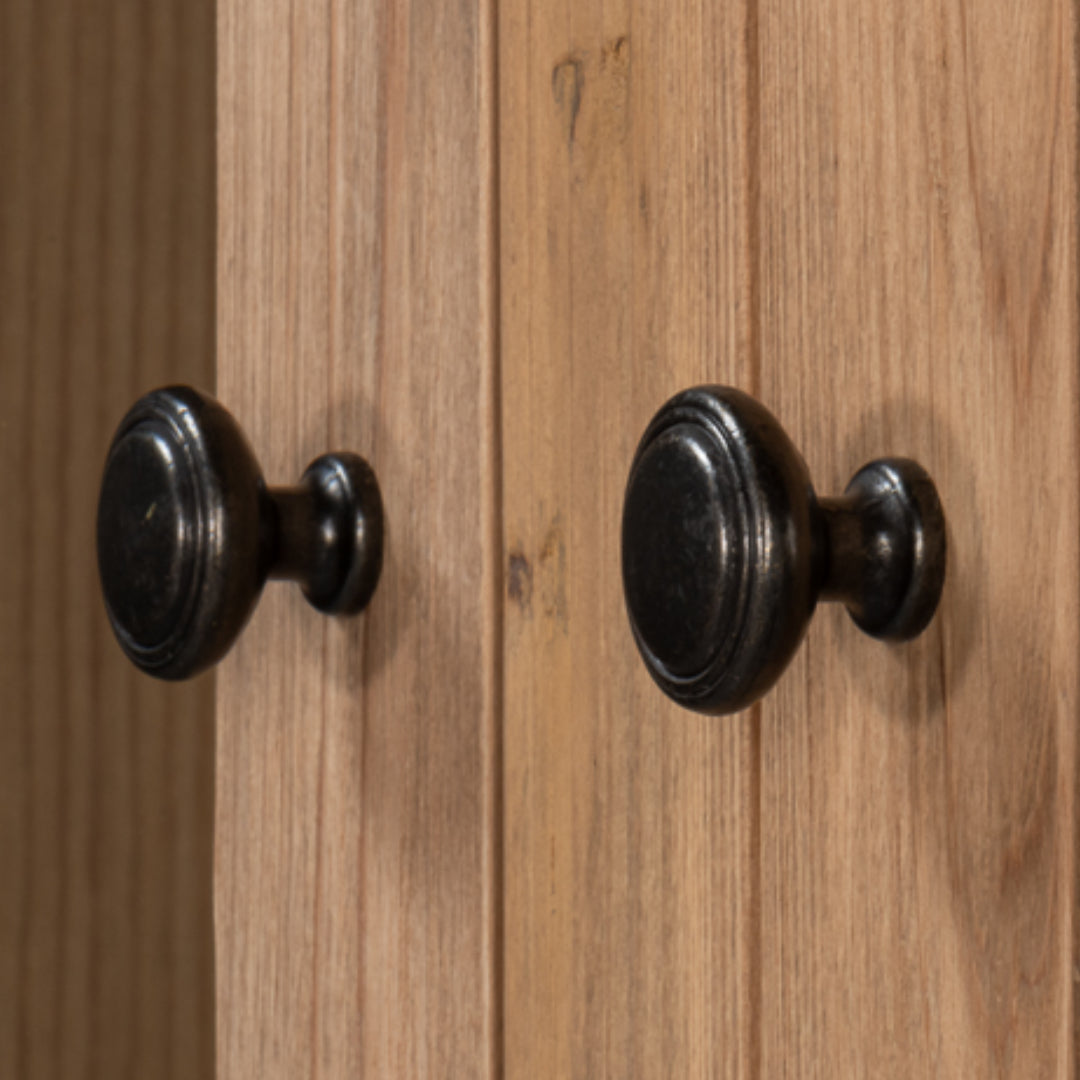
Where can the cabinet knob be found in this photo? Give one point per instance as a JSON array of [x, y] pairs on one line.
[[188, 532], [726, 549]]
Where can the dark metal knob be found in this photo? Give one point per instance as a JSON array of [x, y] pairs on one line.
[[188, 533], [726, 549]]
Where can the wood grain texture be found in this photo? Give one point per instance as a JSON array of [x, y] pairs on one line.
[[106, 777], [355, 846], [630, 828], [865, 214], [918, 257]]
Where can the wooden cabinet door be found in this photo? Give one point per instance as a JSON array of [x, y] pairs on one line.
[[481, 242], [356, 837]]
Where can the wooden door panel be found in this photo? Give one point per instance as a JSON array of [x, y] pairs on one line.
[[630, 827], [356, 758], [918, 296], [866, 217], [466, 834]]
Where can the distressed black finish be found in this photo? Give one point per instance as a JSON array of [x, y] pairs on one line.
[[188, 532], [726, 549]]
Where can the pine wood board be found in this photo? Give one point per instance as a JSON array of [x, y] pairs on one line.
[[865, 215], [356, 915], [630, 828], [919, 296]]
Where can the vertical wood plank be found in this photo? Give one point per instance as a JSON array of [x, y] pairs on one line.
[[355, 841], [919, 296], [630, 829], [106, 778], [896, 855]]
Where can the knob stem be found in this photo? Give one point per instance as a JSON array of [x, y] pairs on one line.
[[326, 533], [290, 517], [842, 553], [883, 548]]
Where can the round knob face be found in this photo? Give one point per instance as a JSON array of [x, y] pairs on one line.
[[717, 549], [178, 532], [683, 553], [147, 533]]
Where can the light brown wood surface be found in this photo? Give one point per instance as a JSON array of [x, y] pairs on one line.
[[106, 777], [864, 213], [631, 828], [464, 835], [918, 257], [356, 918]]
